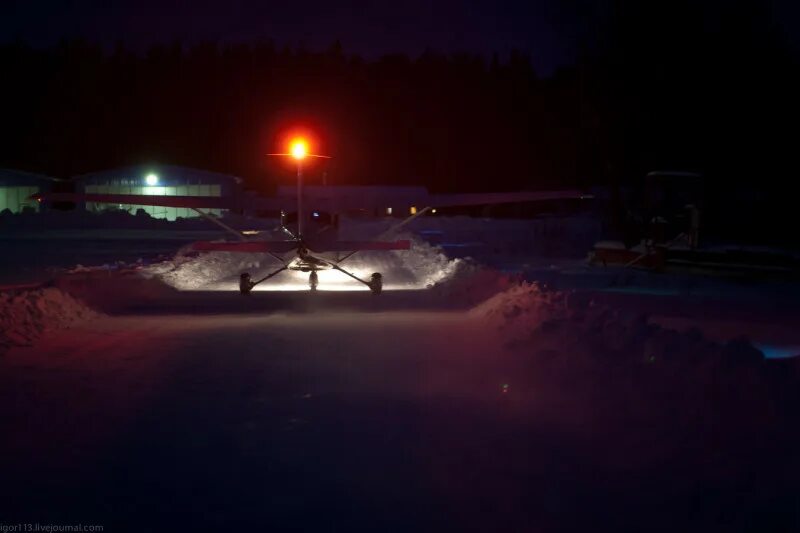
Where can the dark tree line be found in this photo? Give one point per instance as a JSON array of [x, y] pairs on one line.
[[447, 121], [677, 87]]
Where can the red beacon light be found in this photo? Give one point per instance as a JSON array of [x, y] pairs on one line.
[[299, 149]]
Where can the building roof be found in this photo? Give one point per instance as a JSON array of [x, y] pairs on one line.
[[171, 172], [10, 176]]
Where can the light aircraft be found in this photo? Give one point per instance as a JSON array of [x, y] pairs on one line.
[[310, 234]]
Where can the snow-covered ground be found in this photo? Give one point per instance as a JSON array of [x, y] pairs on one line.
[[27, 314], [549, 251], [515, 389]]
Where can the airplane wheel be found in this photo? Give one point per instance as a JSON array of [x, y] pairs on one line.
[[313, 280], [376, 283], [245, 284]]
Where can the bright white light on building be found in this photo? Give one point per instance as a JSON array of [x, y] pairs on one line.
[[388, 210], [151, 180], [433, 211]]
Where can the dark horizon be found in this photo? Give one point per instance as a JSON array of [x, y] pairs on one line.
[[548, 30], [554, 33], [670, 87]]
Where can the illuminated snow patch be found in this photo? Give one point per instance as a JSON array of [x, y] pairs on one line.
[[419, 268]]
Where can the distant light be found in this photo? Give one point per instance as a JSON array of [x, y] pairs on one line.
[[433, 211], [413, 210], [299, 149], [388, 210], [151, 179], [315, 214]]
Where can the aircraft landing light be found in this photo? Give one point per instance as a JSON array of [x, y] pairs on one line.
[[329, 281]]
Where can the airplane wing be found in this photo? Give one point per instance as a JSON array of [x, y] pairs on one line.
[[339, 199], [329, 199], [280, 247], [359, 246], [466, 199], [191, 202], [248, 247]]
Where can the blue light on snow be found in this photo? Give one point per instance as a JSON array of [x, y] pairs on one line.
[[773, 351]]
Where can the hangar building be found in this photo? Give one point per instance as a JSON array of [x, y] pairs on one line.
[[16, 187], [157, 180]]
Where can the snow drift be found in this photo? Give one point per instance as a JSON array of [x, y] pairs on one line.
[[678, 388], [423, 266], [530, 314], [26, 315]]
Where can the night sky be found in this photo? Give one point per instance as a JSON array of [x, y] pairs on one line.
[[548, 29], [717, 65]]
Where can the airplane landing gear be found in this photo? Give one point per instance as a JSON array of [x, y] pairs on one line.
[[313, 280], [245, 284], [375, 283]]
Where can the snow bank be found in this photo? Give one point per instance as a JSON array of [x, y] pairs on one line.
[[471, 283], [529, 317], [596, 371], [462, 283], [189, 270], [528, 313], [522, 307], [570, 328], [423, 266], [26, 315]]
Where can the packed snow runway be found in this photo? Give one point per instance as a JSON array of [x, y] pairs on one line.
[[391, 420], [468, 401]]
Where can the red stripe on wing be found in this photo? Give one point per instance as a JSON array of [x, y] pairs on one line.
[[250, 247], [357, 246]]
